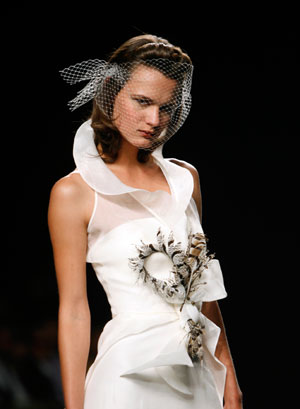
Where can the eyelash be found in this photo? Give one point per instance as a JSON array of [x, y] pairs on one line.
[[142, 101], [145, 102]]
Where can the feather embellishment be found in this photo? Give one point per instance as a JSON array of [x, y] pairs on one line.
[[185, 285]]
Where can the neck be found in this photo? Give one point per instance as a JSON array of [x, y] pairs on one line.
[[128, 155]]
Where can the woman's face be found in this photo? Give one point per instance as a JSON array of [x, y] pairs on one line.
[[143, 107]]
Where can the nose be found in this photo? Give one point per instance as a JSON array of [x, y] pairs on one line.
[[152, 115]]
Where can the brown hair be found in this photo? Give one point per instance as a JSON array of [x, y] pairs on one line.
[[143, 47]]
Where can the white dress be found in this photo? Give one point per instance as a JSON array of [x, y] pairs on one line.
[[143, 360]]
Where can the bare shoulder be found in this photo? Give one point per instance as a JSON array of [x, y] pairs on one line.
[[197, 190], [70, 188], [188, 166], [71, 197]]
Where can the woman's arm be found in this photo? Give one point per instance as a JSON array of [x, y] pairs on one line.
[[232, 394], [67, 220]]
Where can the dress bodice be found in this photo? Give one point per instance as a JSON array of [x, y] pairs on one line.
[[138, 243]]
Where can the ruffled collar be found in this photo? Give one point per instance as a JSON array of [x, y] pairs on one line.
[[100, 178]]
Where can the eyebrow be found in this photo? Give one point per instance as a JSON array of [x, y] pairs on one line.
[[141, 96], [150, 100]]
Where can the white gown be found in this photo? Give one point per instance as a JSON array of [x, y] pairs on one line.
[[143, 360]]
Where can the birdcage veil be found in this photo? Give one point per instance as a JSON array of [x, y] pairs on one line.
[[158, 88]]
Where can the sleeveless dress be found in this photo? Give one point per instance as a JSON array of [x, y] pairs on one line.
[[138, 242]]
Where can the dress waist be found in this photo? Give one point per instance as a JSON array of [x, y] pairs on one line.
[[163, 340], [142, 314]]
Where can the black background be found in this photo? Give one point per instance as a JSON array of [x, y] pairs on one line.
[[242, 136]]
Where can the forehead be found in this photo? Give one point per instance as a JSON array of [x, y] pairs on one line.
[[151, 83]]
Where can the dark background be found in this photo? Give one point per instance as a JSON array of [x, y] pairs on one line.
[[242, 136]]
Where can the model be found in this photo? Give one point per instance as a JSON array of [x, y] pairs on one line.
[[136, 217]]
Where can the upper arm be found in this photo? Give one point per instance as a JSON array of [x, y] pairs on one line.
[[197, 190], [67, 227]]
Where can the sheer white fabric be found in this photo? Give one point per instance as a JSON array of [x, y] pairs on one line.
[[142, 359]]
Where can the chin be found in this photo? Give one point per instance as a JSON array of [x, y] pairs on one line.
[[142, 144], [138, 142]]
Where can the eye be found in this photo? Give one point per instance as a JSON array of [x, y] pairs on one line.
[[142, 101]]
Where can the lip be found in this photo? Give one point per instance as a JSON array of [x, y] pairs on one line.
[[146, 134]]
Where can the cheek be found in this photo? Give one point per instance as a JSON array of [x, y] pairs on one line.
[[165, 119], [125, 114], [131, 114]]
